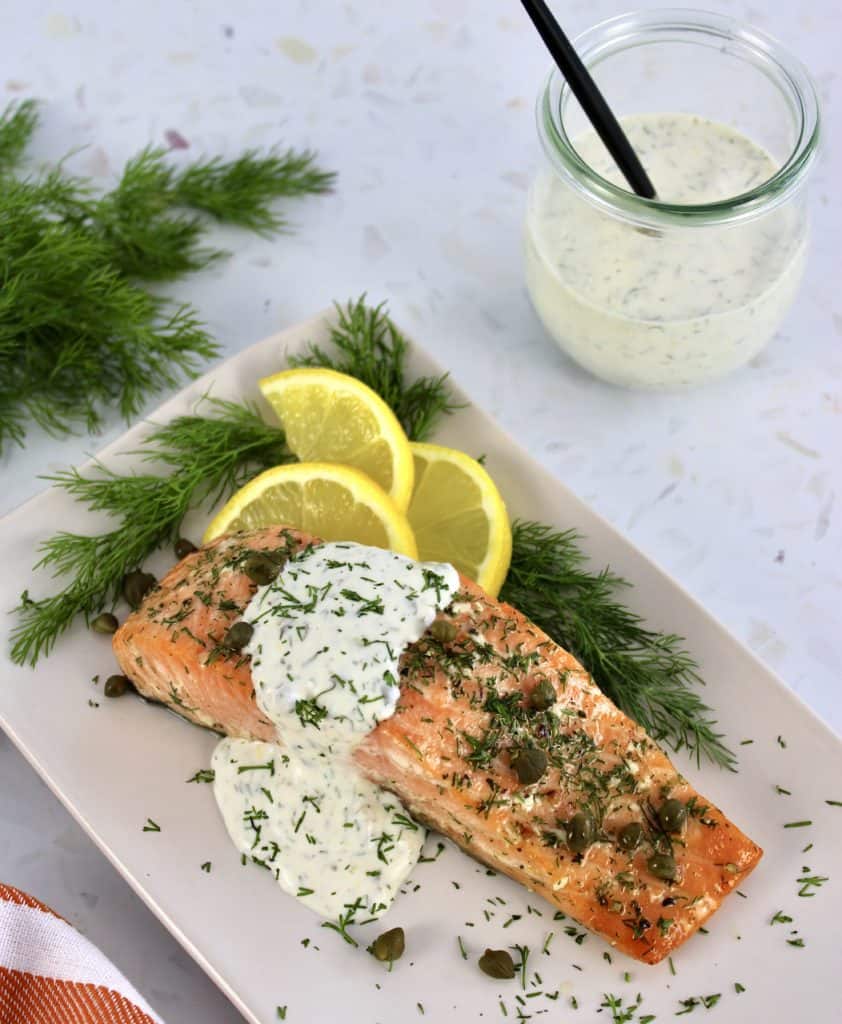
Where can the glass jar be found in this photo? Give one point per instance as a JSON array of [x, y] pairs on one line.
[[667, 294]]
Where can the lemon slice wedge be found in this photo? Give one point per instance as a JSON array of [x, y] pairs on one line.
[[458, 516], [331, 417], [331, 502]]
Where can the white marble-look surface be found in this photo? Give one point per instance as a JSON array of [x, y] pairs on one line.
[[426, 111]]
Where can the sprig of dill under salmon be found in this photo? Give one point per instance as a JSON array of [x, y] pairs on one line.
[[649, 675], [203, 459]]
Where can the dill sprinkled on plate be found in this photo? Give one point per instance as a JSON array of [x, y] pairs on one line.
[[151, 826], [798, 824], [810, 882], [620, 1014]]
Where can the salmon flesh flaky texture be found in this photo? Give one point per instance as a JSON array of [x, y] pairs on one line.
[[480, 712]]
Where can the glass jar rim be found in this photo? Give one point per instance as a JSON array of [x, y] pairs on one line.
[[636, 27]]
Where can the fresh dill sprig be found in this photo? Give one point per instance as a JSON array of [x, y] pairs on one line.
[[371, 348], [647, 674], [79, 329], [207, 457], [17, 124], [242, 191]]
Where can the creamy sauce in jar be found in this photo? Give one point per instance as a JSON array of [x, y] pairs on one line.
[[674, 306], [328, 634]]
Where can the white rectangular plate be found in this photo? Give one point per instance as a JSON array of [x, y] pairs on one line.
[[117, 764]]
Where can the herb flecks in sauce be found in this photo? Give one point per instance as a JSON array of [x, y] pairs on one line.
[[328, 631], [652, 308]]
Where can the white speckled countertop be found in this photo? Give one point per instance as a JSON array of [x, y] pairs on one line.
[[426, 111]]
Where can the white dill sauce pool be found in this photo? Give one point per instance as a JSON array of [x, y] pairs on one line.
[[328, 634], [672, 307]]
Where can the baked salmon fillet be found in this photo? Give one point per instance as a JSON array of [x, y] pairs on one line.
[[500, 740]]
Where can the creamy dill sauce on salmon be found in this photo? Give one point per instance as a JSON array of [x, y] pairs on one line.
[[328, 633], [674, 306]]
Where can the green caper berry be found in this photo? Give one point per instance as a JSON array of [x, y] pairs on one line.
[[662, 865], [261, 569], [529, 764], [389, 946], [543, 696], [184, 547], [580, 832], [630, 837], [105, 623], [443, 631], [116, 686], [672, 814], [497, 963], [238, 636], [136, 585]]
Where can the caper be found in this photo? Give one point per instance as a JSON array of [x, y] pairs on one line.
[[116, 686], [672, 814], [580, 832], [630, 836], [389, 946], [105, 623], [662, 865], [542, 696], [184, 547], [529, 763], [136, 585], [443, 631], [497, 963], [238, 636], [261, 568]]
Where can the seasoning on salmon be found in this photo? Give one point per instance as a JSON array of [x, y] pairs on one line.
[[499, 740]]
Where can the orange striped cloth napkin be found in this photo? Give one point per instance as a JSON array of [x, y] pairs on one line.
[[50, 974]]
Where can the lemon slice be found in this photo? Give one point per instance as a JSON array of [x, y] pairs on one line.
[[458, 516], [331, 417], [331, 502]]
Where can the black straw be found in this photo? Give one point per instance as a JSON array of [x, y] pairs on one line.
[[586, 92]]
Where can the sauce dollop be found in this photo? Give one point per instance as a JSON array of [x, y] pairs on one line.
[[329, 632]]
